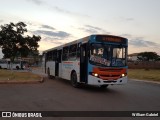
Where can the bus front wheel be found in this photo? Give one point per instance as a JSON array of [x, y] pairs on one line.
[[74, 80]]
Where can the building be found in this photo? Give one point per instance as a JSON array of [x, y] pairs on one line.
[[133, 57]]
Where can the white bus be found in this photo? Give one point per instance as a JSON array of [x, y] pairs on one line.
[[95, 60], [7, 64]]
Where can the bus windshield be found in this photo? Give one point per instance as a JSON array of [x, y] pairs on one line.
[[108, 55]]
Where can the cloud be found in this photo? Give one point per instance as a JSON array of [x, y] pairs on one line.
[[92, 27], [125, 19], [93, 30], [47, 31], [126, 35], [37, 2], [143, 43], [129, 19], [63, 11], [43, 26], [1, 21], [57, 9], [59, 34], [47, 27], [54, 40]]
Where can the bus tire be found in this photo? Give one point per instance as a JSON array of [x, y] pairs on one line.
[[48, 73], [103, 86], [74, 80], [17, 67], [0, 67]]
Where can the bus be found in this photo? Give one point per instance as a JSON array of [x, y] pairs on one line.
[[7, 64], [99, 60]]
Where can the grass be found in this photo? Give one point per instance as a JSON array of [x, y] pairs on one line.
[[6, 75], [142, 74]]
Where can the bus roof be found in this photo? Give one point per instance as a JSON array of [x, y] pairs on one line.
[[83, 40]]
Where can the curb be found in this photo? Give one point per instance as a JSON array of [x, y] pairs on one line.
[[22, 82], [147, 81]]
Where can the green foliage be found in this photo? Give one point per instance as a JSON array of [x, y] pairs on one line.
[[14, 43], [147, 56]]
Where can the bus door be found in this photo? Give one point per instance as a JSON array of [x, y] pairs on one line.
[[57, 62], [83, 63]]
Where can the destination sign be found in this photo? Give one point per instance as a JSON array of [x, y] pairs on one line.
[[114, 39]]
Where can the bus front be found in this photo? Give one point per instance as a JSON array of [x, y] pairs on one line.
[[107, 62]]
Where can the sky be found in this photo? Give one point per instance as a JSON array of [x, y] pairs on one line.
[[62, 21]]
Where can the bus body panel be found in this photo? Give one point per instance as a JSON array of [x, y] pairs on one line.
[[68, 67]]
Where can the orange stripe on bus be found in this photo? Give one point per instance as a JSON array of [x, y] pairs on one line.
[[109, 73]]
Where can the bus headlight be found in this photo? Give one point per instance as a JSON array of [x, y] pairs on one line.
[[95, 74], [123, 75]]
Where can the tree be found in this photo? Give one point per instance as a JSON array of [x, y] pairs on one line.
[[147, 56], [14, 43]]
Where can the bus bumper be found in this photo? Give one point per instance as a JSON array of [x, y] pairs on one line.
[[97, 81]]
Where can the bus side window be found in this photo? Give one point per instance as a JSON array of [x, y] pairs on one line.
[[72, 52], [49, 56], [65, 53], [54, 55]]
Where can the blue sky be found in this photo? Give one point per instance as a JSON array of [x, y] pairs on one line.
[[61, 21]]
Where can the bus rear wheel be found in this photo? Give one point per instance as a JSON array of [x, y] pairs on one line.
[[17, 67], [74, 80]]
